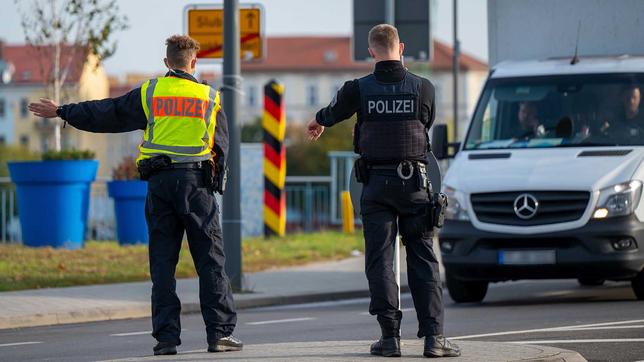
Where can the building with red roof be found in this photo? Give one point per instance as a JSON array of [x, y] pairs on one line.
[[313, 68], [27, 71]]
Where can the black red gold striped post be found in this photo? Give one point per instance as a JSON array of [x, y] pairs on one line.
[[274, 125]]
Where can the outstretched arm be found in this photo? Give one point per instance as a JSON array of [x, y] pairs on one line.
[[110, 115], [345, 103]]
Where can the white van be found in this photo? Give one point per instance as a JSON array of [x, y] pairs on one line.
[[548, 181]]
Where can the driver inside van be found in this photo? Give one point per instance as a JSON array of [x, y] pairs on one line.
[[630, 121], [528, 122]]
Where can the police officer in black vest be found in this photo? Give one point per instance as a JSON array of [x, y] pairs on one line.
[[395, 109]]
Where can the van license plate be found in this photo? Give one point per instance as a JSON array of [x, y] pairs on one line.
[[527, 257]]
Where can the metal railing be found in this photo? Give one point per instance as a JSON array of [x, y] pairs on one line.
[[307, 208], [307, 202], [312, 202], [9, 225], [341, 164]]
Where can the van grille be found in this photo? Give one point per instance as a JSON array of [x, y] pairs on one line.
[[554, 207]]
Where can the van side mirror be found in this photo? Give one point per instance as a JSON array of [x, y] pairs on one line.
[[439, 141], [440, 144]]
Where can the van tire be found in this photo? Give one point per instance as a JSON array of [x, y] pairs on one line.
[[590, 282], [638, 285], [462, 291]]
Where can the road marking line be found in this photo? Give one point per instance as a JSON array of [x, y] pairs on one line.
[[135, 333], [554, 329], [605, 324], [607, 327], [18, 344], [130, 334], [566, 341], [281, 321]]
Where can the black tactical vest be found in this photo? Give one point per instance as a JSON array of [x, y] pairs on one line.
[[389, 127]]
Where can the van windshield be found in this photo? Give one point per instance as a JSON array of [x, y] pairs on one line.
[[559, 111]]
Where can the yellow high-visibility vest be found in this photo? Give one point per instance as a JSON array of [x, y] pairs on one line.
[[181, 119]]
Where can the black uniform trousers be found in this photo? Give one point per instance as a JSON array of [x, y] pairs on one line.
[[389, 204], [177, 201]]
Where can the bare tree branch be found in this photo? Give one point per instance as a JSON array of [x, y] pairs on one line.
[[58, 30]]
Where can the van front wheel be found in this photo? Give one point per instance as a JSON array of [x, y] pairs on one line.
[[638, 285], [462, 291]]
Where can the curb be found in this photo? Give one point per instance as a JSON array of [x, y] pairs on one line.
[[472, 351], [143, 309]]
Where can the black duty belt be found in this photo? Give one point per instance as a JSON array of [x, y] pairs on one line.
[[185, 165], [392, 166], [404, 169]]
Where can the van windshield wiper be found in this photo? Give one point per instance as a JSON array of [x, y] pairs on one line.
[[587, 144]]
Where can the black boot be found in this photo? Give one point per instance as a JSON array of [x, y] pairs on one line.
[[389, 344], [439, 346], [165, 348], [386, 347], [225, 344]]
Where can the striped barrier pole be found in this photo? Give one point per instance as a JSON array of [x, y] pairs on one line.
[[274, 125]]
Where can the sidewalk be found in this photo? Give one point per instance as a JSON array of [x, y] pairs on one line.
[[356, 351], [310, 283]]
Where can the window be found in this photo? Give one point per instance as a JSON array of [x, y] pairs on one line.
[[312, 95], [24, 112], [2, 107], [251, 94], [559, 111], [24, 140]]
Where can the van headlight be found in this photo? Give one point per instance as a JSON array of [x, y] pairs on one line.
[[456, 209], [618, 200]]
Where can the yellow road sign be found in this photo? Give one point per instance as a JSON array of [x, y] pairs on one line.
[[207, 27]]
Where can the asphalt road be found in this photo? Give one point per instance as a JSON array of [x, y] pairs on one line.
[[602, 323]]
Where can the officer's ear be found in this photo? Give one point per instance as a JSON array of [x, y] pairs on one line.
[[373, 55], [401, 48], [193, 63], [165, 60]]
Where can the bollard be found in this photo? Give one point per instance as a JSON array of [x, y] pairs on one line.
[[347, 213], [274, 125]]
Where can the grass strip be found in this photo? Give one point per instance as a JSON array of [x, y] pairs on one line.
[[107, 262]]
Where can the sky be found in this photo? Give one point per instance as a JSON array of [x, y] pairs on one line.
[[152, 21]]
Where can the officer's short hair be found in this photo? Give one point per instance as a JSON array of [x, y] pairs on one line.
[[383, 37], [180, 50]]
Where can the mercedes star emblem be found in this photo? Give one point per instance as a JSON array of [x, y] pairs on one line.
[[525, 206]]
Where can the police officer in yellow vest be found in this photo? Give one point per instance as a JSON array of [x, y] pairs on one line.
[[183, 155]]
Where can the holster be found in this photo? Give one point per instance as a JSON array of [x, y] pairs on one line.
[[361, 170], [215, 176], [436, 209], [149, 166], [218, 174]]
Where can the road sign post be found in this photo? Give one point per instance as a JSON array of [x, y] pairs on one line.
[[222, 32], [232, 202]]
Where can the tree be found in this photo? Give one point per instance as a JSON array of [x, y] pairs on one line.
[[60, 30], [252, 132]]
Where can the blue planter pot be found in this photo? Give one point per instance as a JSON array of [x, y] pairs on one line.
[[53, 199], [129, 208]]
